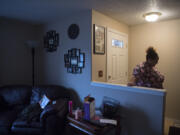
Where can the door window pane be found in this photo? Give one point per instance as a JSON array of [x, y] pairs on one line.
[[118, 43]]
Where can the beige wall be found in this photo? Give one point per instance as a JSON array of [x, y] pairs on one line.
[[164, 36], [99, 61]]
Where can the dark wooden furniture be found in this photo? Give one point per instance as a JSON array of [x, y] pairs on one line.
[[83, 127], [173, 130]]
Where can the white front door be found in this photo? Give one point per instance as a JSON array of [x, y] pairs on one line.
[[117, 57]]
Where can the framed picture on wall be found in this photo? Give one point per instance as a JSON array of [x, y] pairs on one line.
[[74, 61], [67, 60], [99, 39]]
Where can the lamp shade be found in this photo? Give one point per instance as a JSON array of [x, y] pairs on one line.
[[32, 43]]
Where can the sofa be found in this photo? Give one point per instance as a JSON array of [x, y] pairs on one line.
[[15, 100]]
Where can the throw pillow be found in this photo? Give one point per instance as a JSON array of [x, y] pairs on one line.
[[36, 95], [31, 113]]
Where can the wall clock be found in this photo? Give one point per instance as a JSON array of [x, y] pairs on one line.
[[73, 31]]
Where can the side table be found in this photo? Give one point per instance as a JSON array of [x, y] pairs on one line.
[[83, 127]]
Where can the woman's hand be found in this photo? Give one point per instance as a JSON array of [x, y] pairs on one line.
[[132, 82]]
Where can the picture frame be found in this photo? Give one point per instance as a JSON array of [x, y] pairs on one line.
[[66, 60], [69, 70], [80, 64], [99, 39], [51, 41], [78, 70], [73, 52], [74, 61], [81, 57]]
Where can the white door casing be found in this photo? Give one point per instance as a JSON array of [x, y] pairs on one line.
[[117, 57]]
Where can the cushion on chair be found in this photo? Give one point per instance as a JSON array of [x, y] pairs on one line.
[[15, 95], [24, 124], [28, 121], [31, 113], [37, 94], [20, 126]]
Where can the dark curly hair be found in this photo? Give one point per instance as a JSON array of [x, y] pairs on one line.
[[151, 54]]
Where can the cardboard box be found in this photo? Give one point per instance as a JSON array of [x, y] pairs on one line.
[[89, 107]]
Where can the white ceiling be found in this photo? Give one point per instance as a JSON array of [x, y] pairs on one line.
[[127, 11]]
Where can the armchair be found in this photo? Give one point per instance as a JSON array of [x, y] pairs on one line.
[[49, 121]]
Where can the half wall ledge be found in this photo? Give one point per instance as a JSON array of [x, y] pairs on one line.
[[153, 91]]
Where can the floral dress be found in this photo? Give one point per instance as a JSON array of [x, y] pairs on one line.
[[147, 76]]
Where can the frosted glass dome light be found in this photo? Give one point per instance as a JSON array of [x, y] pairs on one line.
[[152, 16]]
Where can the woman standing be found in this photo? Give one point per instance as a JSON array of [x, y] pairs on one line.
[[145, 74]]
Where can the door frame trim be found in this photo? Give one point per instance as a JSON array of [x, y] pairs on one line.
[[122, 34]]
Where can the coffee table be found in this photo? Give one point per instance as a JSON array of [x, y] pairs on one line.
[[83, 127]]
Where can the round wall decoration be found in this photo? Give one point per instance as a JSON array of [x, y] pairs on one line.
[[73, 31]]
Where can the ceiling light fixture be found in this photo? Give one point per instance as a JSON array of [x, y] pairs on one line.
[[152, 16]]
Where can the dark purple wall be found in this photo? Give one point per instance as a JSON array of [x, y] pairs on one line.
[[15, 56]]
